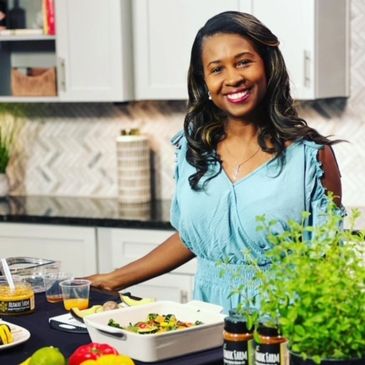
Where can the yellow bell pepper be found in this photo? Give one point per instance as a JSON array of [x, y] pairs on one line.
[[110, 360]]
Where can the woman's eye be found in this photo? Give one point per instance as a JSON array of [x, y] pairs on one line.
[[243, 63], [216, 70]]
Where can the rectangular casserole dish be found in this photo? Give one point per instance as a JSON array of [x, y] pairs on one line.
[[155, 347]]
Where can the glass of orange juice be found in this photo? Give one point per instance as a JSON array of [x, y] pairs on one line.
[[75, 293]]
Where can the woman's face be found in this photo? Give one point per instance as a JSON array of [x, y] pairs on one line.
[[234, 73]]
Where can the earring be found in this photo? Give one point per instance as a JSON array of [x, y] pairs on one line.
[[209, 96]]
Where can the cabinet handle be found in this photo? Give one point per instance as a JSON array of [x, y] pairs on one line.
[[62, 73], [307, 68], [183, 296]]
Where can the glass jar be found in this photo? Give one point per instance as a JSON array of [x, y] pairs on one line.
[[17, 301], [270, 347], [238, 341]]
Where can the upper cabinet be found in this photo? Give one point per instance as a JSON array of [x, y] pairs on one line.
[[314, 39], [91, 52], [313, 34], [163, 33], [121, 50]]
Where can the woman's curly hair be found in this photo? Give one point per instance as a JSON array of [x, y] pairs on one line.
[[204, 122]]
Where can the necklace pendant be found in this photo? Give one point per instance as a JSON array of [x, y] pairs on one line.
[[236, 170]]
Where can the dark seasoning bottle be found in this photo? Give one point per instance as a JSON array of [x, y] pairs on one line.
[[270, 347], [238, 341]]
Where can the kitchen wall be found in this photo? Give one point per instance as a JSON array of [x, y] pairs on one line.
[[69, 149]]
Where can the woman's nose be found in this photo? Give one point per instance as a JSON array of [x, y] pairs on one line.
[[234, 76]]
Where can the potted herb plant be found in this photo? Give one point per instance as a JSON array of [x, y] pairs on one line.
[[9, 128], [314, 289]]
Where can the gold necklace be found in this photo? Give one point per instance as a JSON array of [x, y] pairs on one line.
[[236, 169]]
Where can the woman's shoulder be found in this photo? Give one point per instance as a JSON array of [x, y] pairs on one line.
[[304, 143]]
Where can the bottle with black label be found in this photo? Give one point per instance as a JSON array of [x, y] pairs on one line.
[[16, 17], [270, 347], [238, 341]]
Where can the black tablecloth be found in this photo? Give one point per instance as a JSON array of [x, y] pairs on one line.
[[42, 335]]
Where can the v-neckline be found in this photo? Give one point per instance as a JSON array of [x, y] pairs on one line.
[[253, 172]]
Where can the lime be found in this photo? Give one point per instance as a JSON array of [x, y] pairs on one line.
[[47, 356]]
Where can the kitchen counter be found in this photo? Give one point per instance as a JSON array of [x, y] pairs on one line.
[[42, 335], [85, 212]]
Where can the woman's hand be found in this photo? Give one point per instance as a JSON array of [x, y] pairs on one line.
[[107, 282]]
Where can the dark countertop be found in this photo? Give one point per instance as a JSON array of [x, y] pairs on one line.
[[42, 335], [85, 212]]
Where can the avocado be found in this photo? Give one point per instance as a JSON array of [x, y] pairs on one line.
[[132, 301], [80, 314]]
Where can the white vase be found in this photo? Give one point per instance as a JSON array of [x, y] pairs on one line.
[[4, 185]]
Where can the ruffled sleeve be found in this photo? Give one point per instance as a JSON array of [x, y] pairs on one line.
[[179, 142], [316, 198]]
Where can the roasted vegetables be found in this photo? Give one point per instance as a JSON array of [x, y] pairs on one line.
[[155, 323], [6, 336]]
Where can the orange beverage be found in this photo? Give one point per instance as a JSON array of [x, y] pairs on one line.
[[54, 298], [80, 303]]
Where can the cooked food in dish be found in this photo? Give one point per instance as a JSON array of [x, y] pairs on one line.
[[156, 323], [6, 336]]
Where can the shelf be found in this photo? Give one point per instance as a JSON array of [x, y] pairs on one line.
[[29, 99], [26, 37]]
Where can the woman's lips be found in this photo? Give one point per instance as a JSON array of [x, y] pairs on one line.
[[238, 97]]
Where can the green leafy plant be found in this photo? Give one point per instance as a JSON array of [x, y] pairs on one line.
[[9, 127], [314, 289]]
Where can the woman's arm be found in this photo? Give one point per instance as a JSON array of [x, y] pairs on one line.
[[331, 179], [167, 256]]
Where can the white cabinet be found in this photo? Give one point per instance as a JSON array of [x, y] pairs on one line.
[[91, 51], [94, 50], [314, 37], [118, 247], [75, 247], [163, 33]]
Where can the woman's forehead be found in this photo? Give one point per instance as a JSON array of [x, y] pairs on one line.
[[222, 45]]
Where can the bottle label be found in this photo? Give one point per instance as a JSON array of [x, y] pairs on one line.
[[17, 306], [238, 352], [273, 354]]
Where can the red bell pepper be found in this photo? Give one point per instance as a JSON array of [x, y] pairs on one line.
[[90, 351]]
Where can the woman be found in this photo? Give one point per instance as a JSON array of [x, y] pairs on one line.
[[244, 152]]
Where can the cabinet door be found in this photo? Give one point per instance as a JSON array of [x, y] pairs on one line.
[[163, 32], [94, 52], [118, 247], [174, 287], [74, 247], [314, 40]]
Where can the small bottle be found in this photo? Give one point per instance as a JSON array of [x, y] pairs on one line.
[[270, 347], [238, 341], [16, 17]]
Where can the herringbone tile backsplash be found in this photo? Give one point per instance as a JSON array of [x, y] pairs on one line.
[[70, 150]]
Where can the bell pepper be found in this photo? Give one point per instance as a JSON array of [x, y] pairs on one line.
[[110, 360], [90, 351]]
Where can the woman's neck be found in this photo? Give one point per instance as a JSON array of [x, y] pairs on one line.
[[246, 132]]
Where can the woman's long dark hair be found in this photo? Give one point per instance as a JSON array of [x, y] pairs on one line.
[[204, 122]]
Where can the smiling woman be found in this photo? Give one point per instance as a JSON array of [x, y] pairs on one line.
[[244, 152]]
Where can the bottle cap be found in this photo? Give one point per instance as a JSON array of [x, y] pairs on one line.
[[235, 324], [265, 330]]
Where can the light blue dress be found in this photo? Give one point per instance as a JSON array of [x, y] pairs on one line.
[[219, 222]]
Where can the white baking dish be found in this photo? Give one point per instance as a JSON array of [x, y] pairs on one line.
[[155, 347]]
